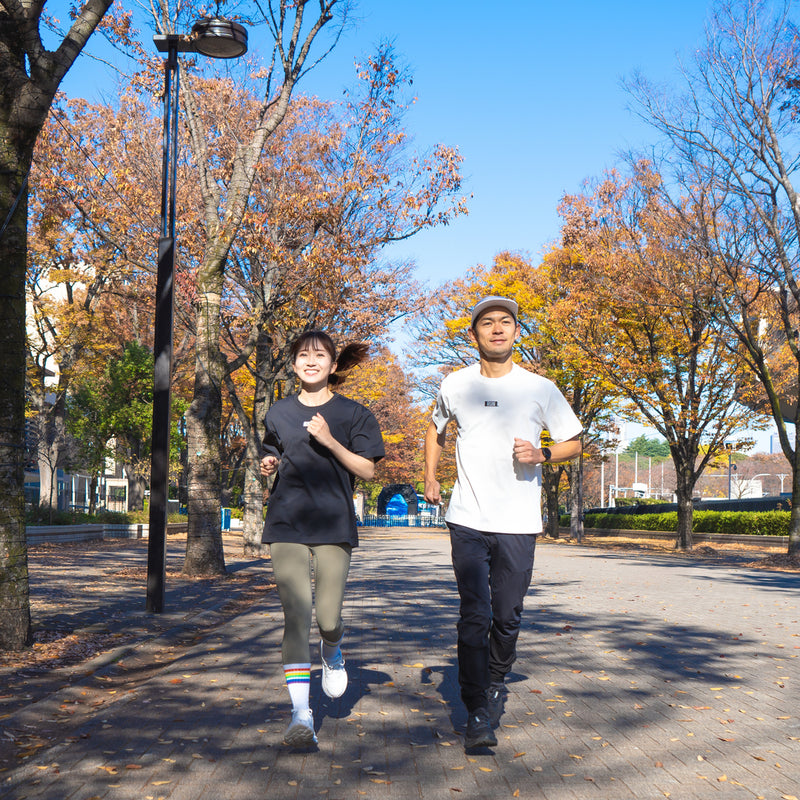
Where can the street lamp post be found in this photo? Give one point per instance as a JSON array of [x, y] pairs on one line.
[[216, 38]]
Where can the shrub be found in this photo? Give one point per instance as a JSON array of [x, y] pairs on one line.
[[43, 516], [753, 523]]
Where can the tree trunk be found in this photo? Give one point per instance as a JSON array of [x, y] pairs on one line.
[[136, 487], [204, 552], [794, 516], [551, 477], [51, 439], [684, 490], [93, 493], [253, 497], [253, 522], [576, 499], [46, 478], [15, 619]]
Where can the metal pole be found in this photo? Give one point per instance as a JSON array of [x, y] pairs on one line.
[[162, 345]]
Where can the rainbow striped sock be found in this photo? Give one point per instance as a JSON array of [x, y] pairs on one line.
[[298, 680]]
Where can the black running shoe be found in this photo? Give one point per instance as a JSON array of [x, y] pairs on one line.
[[479, 731], [497, 703]]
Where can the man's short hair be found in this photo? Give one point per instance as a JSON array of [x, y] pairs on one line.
[[492, 301]]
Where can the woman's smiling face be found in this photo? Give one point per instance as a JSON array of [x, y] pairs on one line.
[[313, 364]]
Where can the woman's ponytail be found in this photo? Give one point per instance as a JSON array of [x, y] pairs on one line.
[[352, 355]]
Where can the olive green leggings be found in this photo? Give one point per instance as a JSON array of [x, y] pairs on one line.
[[291, 566]]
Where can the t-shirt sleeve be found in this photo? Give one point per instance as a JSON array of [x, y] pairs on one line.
[[271, 445], [366, 438], [560, 419], [441, 414]]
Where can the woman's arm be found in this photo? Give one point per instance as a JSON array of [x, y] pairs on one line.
[[360, 466]]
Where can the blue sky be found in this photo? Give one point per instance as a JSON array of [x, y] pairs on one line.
[[530, 92]]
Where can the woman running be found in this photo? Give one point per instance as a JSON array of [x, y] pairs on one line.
[[318, 442]]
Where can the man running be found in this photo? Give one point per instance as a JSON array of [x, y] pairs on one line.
[[494, 514]]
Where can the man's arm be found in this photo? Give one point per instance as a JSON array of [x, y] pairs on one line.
[[434, 444], [526, 453]]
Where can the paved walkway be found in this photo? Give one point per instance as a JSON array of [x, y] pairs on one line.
[[639, 676]]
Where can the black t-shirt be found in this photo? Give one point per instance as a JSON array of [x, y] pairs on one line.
[[312, 498]]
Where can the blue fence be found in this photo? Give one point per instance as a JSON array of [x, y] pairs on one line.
[[400, 521]]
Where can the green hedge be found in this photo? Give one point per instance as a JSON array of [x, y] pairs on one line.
[[754, 523], [41, 516], [637, 501]]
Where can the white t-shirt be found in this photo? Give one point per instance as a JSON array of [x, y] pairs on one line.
[[494, 492]]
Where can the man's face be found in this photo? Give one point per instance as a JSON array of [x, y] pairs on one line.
[[494, 333]]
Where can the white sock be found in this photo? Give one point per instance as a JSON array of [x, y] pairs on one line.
[[330, 651], [298, 680]]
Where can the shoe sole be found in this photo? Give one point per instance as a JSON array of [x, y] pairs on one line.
[[299, 736], [486, 741]]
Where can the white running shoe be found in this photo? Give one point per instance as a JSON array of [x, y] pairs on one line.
[[300, 732], [334, 675]]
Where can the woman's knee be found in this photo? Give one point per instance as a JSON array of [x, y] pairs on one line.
[[331, 633]]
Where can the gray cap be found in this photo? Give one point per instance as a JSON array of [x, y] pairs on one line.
[[494, 301]]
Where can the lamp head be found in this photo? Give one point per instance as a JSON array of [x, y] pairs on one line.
[[219, 38]]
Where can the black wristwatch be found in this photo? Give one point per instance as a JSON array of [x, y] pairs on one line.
[[546, 453]]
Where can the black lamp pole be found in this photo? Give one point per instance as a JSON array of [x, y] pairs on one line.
[[216, 38]]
